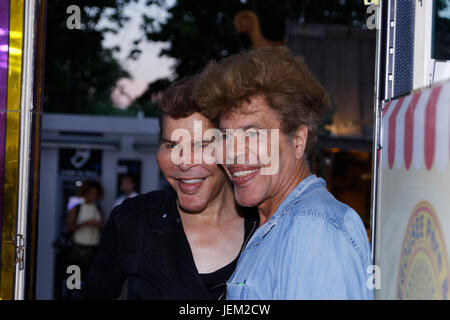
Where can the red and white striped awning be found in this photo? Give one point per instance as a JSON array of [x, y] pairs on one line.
[[415, 130]]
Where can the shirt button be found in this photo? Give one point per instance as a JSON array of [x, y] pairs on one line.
[[178, 220]]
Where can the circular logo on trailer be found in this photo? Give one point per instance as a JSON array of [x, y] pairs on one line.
[[424, 272]]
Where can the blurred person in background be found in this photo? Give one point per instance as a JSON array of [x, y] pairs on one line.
[[182, 242], [128, 187], [85, 222], [75, 200]]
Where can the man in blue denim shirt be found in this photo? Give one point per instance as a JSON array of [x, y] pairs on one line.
[[308, 244], [313, 247]]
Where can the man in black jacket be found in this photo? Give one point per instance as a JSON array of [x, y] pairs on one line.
[[179, 243]]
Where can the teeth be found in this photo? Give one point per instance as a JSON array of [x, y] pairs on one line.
[[192, 181], [243, 173]]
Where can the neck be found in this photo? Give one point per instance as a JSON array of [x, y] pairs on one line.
[[217, 210], [268, 208]]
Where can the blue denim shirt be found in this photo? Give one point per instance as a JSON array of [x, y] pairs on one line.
[[313, 247]]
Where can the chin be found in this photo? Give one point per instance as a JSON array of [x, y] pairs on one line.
[[191, 203], [247, 198]]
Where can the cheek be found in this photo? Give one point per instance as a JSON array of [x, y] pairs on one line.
[[164, 162], [218, 177], [218, 153], [255, 195]]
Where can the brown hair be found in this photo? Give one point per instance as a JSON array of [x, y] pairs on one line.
[[178, 101], [91, 184], [273, 73]]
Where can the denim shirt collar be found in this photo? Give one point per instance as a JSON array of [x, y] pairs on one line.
[[299, 190]]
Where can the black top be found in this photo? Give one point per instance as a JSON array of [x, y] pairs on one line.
[[215, 281], [144, 244]]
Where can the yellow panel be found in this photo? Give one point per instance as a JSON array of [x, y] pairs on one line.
[[15, 54], [9, 219]]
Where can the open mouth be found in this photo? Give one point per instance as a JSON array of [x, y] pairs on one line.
[[192, 181], [190, 185], [242, 175]]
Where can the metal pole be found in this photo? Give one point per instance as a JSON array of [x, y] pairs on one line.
[[26, 108], [380, 62]]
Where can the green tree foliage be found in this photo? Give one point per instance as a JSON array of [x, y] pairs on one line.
[[79, 73], [202, 30], [199, 31], [148, 101]]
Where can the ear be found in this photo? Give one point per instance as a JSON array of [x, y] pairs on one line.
[[300, 139]]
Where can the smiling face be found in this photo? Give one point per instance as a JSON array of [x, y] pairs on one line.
[[251, 188], [196, 185]]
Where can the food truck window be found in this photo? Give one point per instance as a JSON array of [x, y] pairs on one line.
[[440, 49]]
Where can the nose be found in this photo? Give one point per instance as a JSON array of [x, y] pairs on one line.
[[236, 149], [186, 166], [187, 160]]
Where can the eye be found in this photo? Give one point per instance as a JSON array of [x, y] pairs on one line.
[[252, 133], [172, 145], [202, 145], [226, 136]]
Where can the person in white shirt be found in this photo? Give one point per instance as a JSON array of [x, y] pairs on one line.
[[85, 222], [128, 187], [74, 201]]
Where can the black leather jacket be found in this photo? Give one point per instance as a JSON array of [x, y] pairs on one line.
[[144, 244]]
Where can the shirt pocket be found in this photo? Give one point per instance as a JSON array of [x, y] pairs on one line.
[[237, 291]]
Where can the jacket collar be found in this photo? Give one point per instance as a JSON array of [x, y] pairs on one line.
[[301, 189], [165, 244]]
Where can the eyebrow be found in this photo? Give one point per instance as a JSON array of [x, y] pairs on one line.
[[164, 140], [245, 128]]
